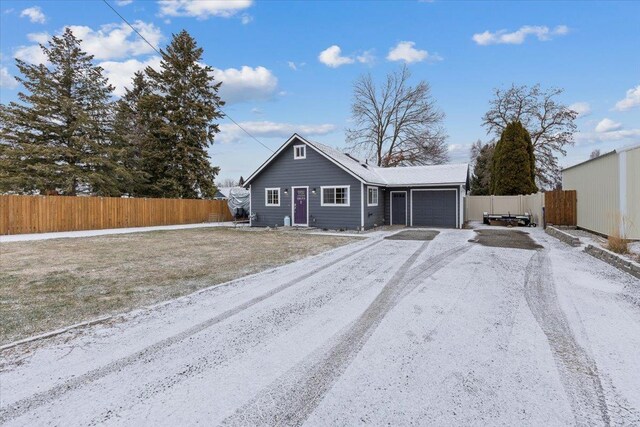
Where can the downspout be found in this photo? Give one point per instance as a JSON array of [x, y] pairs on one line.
[[362, 205], [250, 211]]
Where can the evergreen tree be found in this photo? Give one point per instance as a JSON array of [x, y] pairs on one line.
[[179, 113], [241, 181], [481, 179], [131, 136], [57, 139], [513, 167]]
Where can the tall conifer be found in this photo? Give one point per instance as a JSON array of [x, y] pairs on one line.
[[180, 113], [57, 139]]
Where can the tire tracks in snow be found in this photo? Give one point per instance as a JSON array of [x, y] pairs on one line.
[[578, 372], [30, 403], [275, 322], [293, 397]]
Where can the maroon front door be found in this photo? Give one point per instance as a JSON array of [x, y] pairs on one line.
[[300, 206]]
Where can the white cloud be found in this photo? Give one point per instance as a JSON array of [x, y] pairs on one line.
[[626, 135], [632, 100], [582, 108], [32, 54], [543, 33], [405, 51], [114, 41], [121, 73], [246, 19], [246, 83], [331, 57], [238, 85], [292, 65], [607, 125], [367, 57], [34, 14], [202, 9], [39, 37], [7, 81], [111, 41], [230, 133], [123, 2]]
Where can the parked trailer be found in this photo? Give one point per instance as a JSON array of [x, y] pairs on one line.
[[509, 220]]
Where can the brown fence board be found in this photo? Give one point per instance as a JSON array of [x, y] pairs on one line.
[[42, 214], [561, 207]]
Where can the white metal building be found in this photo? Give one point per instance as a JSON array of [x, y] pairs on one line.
[[608, 190]]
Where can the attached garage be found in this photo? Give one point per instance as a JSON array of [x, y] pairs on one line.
[[434, 208]]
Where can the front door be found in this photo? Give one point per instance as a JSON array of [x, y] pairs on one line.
[[398, 208], [300, 206]]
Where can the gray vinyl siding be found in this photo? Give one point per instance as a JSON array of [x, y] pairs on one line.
[[374, 215], [387, 202], [314, 171]]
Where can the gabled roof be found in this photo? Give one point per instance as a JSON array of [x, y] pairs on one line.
[[366, 173], [455, 173]]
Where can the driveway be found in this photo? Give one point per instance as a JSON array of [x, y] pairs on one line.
[[405, 332]]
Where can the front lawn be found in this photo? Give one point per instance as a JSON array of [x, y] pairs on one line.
[[48, 284]]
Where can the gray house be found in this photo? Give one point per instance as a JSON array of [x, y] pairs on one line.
[[319, 186]]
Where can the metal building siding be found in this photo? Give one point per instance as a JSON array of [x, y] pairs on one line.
[[314, 171], [374, 215], [596, 183], [632, 220]]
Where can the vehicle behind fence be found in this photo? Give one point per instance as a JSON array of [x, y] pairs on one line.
[[559, 207]]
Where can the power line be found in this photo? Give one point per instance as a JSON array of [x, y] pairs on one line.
[[161, 55]]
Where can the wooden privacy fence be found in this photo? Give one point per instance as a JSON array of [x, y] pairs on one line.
[[561, 207], [41, 214]]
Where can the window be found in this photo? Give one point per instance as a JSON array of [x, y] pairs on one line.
[[372, 196], [272, 197], [299, 152], [335, 196]]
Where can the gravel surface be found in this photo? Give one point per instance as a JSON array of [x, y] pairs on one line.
[[398, 332]]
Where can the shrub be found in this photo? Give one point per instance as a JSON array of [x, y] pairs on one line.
[[618, 244]]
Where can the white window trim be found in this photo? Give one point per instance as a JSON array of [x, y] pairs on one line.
[[377, 196], [266, 196], [338, 205], [295, 151]]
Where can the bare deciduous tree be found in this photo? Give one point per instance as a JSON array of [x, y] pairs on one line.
[[595, 153], [227, 182], [550, 124], [397, 124]]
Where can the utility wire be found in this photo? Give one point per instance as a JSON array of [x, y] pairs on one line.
[[162, 56]]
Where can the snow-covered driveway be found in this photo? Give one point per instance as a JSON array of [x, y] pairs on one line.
[[404, 332]]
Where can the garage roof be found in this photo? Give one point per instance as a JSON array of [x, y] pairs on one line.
[[452, 173]]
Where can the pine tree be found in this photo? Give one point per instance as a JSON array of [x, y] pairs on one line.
[[131, 136], [513, 168], [481, 179], [57, 139], [179, 111], [241, 181]]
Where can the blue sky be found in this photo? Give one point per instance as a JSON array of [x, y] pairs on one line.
[[289, 66]]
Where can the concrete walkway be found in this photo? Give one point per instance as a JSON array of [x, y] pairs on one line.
[[91, 233]]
